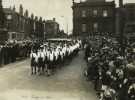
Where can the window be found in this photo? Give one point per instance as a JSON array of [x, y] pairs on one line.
[[105, 13], [90, 12], [95, 12], [95, 26], [13, 36], [83, 0], [83, 13], [83, 27]]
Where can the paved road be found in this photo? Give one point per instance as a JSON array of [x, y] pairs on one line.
[[68, 83]]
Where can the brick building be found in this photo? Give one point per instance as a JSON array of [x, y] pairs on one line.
[[129, 29], [51, 28], [3, 30], [91, 17], [22, 26], [125, 20]]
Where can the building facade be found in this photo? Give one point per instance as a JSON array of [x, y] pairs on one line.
[[129, 27], [21, 26], [130, 20], [3, 30], [91, 17], [51, 28], [1, 15]]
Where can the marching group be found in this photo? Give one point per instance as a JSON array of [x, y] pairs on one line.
[[113, 74], [49, 56]]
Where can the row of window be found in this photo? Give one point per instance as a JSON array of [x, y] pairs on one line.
[[13, 36], [94, 13], [94, 26]]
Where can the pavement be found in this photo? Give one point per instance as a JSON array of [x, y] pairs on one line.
[[68, 83]]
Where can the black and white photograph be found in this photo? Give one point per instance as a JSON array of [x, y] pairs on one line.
[[67, 49]]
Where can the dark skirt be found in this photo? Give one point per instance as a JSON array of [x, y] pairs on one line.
[[33, 64], [50, 65]]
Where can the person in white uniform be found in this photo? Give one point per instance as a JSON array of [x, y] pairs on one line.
[[40, 61], [33, 57]]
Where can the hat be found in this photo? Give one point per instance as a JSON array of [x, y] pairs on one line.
[[105, 48], [120, 57], [89, 58]]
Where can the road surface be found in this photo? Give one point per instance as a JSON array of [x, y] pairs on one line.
[[68, 83]]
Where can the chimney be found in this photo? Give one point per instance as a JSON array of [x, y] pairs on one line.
[[54, 19]]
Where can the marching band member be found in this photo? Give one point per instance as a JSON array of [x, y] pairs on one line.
[[45, 60], [51, 59]]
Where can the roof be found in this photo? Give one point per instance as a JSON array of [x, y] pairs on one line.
[[59, 39], [50, 22], [8, 10], [94, 4], [95, 1], [130, 5]]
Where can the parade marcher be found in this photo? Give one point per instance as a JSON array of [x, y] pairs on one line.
[[41, 59], [51, 64], [1, 55], [33, 57]]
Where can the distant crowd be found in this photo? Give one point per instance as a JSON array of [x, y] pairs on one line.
[[111, 71], [13, 51]]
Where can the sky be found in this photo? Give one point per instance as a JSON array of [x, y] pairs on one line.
[[47, 9]]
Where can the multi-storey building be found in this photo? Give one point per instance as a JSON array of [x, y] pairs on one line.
[[129, 28], [20, 26], [125, 20], [3, 30], [51, 28], [93, 16]]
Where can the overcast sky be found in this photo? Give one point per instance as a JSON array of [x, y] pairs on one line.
[[60, 9]]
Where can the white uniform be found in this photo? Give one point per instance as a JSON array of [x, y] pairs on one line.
[[51, 56], [41, 54], [34, 55], [56, 53]]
